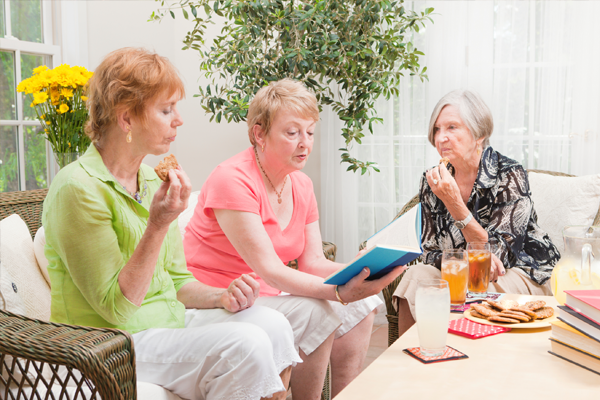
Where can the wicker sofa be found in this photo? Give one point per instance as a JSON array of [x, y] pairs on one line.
[[539, 179], [100, 362]]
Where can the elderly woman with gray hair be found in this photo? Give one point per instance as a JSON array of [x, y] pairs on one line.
[[479, 196]]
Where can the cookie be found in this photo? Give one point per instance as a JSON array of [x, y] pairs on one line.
[[495, 305], [163, 167], [497, 318], [544, 312], [483, 310], [535, 305], [477, 315], [526, 311], [503, 305], [445, 161], [514, 315]]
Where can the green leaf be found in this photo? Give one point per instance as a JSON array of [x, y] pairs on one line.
[[172, 14]]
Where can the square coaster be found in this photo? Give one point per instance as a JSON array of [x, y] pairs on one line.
[[474, 330], [460, 309], [490, 296], [449, 354]]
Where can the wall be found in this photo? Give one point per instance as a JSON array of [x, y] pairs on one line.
[[91, 29]]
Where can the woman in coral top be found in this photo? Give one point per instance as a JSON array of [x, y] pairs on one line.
[[256, 212]]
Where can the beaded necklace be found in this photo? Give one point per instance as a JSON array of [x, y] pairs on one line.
[[136, 196]]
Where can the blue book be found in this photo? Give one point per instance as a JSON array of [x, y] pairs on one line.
[[397, 244]]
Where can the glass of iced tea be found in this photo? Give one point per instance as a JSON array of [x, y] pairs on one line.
[[480, 263], [455, 270]]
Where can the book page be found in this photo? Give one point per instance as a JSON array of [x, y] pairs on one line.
[[401, 232]]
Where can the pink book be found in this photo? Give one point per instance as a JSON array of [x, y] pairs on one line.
[[474, 330], [585, 302]]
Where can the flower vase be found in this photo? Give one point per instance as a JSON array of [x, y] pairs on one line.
[[63, 159]]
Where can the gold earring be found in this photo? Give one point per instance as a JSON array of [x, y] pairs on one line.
[[128, 135], [263, 148], [478, 151]]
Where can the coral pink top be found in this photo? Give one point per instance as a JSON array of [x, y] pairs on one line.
[[237, 184]]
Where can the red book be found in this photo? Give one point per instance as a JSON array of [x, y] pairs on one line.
[[585, 302]]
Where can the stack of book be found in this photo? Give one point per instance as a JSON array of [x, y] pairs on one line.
[[576, 334]]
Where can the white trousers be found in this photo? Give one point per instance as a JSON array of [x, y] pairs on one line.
[[219, 355], [314, 320]]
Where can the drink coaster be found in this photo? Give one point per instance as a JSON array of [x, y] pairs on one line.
[[474, 330], [449, 354], [460, 309]]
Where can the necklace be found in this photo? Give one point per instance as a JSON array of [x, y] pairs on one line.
[[267, 176], [137, 196]]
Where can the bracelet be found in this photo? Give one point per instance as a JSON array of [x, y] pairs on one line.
[[337, 294]]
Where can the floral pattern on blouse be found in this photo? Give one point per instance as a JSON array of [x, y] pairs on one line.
[[501, 203]]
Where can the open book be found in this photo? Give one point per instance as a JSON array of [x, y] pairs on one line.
[[397, 244]]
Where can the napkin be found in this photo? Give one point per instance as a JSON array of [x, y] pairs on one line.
[[449, 354], [474, 330]]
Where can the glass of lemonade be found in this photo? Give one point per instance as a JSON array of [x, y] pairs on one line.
[[480, 263], [455, 270], [432, 307]]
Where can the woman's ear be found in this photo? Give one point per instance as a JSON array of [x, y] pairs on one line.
[[124, 120], [259, 135]]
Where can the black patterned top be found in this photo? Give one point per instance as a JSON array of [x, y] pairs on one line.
[[501, 203]]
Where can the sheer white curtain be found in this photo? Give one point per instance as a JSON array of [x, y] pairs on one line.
[[537, 66]]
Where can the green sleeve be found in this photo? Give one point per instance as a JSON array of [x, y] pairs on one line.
[[178, 268], [79, 225]]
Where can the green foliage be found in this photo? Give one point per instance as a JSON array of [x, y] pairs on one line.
[[348, 52]]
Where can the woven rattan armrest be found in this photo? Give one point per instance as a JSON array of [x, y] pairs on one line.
[[104, 357]]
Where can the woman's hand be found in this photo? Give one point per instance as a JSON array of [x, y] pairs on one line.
[[442, 184], [497, 270], [170, 199], [359, 288], [241, 293]]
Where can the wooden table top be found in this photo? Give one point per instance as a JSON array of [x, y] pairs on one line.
[[511, 365]]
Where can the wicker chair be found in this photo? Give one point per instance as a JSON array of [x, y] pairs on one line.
[[105, 358], [392, 314]]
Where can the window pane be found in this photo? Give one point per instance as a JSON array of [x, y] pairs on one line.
[[2, 24], [26, 20], [35, 158], [9, 163], [8, 101], [28, 63]]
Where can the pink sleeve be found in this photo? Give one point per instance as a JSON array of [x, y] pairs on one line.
[[230, 189]]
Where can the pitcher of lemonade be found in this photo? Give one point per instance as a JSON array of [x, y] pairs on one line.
[[579, 266]]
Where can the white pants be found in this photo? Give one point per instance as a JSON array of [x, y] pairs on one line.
[[313, 320], [218, 355]]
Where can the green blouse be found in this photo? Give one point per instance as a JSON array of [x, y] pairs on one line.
[[92, 227]]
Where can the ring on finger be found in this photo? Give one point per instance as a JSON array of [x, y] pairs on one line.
[[435, 181]]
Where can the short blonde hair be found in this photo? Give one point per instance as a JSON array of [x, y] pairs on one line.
[[285, 94], [128, 79], [472, 109]]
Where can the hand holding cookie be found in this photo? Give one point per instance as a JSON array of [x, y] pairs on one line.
[[172, 196]]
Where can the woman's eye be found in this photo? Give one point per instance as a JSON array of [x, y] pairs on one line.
[[310, 133], [166, 112]]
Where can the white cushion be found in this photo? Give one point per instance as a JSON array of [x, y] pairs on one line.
[[39, 241], [187, 214], [18, 261], [561, 201]]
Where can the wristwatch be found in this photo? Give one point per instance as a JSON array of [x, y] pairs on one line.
[[464, 222]]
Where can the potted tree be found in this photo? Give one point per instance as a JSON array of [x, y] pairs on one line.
[[348, 53]]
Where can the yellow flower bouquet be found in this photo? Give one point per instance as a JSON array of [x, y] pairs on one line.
[[59, 102]]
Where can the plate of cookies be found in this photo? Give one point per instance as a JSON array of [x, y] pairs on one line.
[[512, 314]]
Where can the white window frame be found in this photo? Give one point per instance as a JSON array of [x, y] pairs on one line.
[[47, 49]]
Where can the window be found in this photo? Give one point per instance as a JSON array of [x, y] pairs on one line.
[[535, 64], [25, 43]]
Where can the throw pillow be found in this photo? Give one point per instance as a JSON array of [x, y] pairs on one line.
[[188, 213], [39, 241], [18, 261], [561, 201]]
